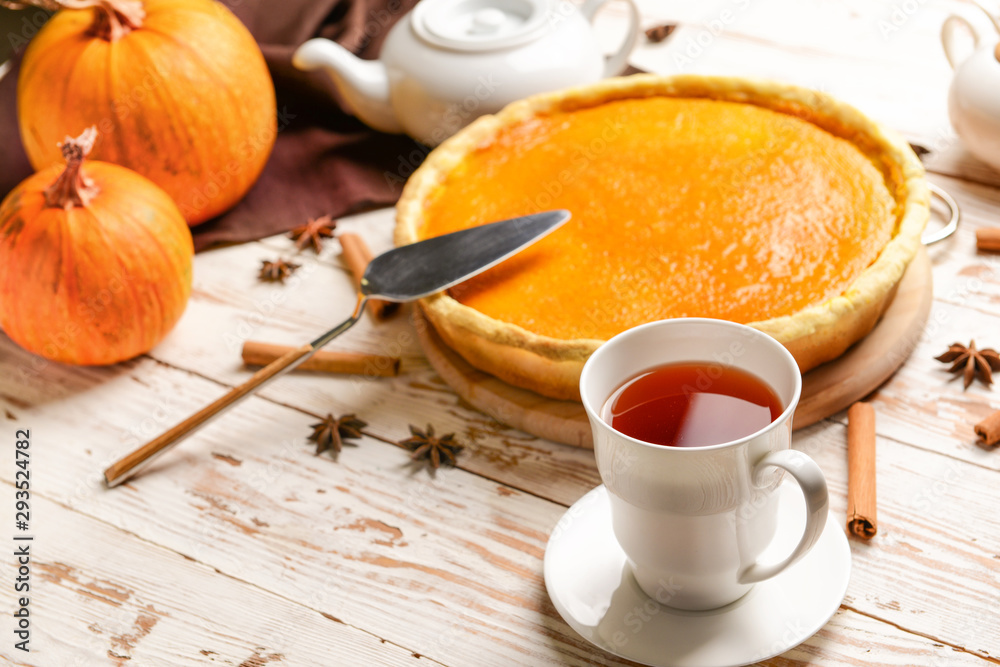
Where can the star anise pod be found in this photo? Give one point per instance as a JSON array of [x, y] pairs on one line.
[[658, 33], [425, 445], [330, 432], [313, 232], [277, 270], [975, 362]]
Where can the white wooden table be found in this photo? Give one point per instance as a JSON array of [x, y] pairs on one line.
[[243, 548]]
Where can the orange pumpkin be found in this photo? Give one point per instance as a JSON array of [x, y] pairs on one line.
[[95, 261], [177, 88]]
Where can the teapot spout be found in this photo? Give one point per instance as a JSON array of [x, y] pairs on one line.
[[364, 84]]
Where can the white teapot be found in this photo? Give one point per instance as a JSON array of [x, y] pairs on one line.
[[450, 61], [974, 97]]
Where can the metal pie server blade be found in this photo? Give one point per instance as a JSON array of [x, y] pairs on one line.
[[424, 268]]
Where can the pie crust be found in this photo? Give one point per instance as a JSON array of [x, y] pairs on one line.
[[814, 334]]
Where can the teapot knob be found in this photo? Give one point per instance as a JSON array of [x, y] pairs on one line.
[[487, 21]]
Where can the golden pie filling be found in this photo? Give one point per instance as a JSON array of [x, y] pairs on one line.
[[681, 208], [741, 199]]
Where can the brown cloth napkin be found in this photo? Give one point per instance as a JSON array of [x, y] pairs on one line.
[[325, 161]]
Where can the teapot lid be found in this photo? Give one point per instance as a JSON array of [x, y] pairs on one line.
[[481, 25]]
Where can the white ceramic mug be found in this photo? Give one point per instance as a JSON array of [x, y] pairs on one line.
[[693, 521]]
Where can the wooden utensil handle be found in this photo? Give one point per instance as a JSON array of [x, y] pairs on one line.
[[125, 467]]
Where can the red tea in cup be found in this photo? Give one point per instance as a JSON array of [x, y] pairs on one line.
[[692, 405]]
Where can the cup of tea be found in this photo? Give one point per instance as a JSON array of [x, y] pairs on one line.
[[692, 424]]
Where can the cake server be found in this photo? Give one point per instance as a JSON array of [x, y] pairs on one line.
[[402, 274]]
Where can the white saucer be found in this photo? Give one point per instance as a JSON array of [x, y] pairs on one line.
[[594, 591]]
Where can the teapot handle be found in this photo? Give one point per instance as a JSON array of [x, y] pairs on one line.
[[948, 38], [616, 63]]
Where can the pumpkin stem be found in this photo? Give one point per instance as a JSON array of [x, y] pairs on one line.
[[114, 18], [72, 188]]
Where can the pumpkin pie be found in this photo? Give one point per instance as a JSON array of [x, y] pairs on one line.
[[745, 200]]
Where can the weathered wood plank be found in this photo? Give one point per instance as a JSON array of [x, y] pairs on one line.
[[126, 606], [964, 276], [935, 555], [452, 563], [101, 596], [386, 549], [925, 406], [850, 638]]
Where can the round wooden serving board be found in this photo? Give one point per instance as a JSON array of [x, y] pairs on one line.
[[826, 389]]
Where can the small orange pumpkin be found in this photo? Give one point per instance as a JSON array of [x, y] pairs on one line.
[[95, 261], [177, 88]]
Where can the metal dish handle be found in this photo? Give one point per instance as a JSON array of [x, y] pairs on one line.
[[954, 217]]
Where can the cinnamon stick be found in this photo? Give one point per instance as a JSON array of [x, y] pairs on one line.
[[989, 429], [988, 239], [861, 510], [357, 255], [256, 353]]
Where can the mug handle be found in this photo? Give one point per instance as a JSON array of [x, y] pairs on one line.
[[616, 63], [948, 38], [810, 479]]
